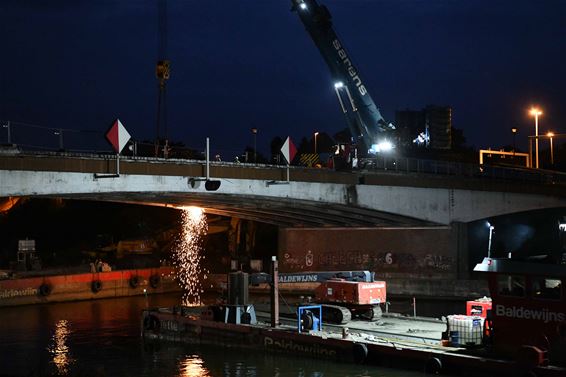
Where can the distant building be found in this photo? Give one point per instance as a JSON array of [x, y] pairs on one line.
[[430, 127], [409, 124]]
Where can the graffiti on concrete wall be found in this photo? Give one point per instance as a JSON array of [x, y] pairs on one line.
[[362, 259]]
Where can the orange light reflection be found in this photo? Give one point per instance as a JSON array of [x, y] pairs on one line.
[[59, 349], [193, 366]]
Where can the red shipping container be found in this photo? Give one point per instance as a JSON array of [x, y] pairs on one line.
[[358, 293]]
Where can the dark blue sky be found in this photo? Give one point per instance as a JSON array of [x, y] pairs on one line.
[[240, 64]]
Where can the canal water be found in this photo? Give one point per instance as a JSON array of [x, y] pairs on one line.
[[102, 338]]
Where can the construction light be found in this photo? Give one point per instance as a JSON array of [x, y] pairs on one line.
[[382, 146], [385, 146]]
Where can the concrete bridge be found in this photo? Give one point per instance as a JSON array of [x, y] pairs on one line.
[[261, 192], [409, 228]]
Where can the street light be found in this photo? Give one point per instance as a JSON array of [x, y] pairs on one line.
[[514, 131], [254, 131], [551, 135], [7, 126], [315, 135], [536, 112], [491, 231], [59, 132]]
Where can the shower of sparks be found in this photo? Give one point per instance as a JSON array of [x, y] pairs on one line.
[[187, 255], [59, 349]]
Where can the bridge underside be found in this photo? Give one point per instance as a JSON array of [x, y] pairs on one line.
[[279, 212]]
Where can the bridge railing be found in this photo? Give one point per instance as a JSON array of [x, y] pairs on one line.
[[34, 139], [438, 167], [27, 137]]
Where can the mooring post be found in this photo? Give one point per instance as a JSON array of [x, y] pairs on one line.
[[274, 292]]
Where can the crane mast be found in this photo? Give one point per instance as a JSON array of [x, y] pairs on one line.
[[362, 115], [162, 73]]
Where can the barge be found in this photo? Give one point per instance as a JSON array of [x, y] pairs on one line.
[[510, 344], [86, 286]]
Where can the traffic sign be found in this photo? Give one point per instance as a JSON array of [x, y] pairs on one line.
[[118, 136], [288, 150]]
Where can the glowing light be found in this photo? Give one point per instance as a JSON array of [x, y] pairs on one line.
[[303, 6], [382, 146], [535, 111], [550, 134], [59, 349], [338, 84], [193, 366], [187, 255], [385, 145]]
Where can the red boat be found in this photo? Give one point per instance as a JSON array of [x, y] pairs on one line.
[[528, 317]]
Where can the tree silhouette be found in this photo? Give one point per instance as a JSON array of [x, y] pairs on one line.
[[304, 146]]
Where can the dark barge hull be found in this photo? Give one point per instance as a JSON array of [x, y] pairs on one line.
[[178, 326]]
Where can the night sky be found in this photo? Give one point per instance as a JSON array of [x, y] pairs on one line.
[[79, 64]]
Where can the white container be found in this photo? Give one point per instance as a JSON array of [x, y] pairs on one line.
[[465, 330]]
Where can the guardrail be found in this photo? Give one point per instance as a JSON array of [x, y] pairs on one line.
[[24, 138], [451, 168], [389, 165]]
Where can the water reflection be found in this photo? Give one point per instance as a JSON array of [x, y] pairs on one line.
[[238, 369], [102, 338], [193, 366], [58, 347]]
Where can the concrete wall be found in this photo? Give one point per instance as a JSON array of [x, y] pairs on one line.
[[390, 252], [424, 262]]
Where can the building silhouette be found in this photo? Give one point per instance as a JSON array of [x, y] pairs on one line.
[[430, 127]]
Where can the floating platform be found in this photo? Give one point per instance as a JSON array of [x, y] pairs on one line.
[[391, 342], [86, 286]]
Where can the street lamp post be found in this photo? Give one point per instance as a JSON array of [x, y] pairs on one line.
[[7, 126], [59, 132], [315, 135], [536, 112], [491, 231], [514, 131], [551, 135], [254, 132]]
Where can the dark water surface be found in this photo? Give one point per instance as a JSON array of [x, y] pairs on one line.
[[102, 338]]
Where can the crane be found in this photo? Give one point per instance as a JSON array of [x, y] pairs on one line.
[[162, 72], [362, 115]]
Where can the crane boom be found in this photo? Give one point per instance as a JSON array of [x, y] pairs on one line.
[[362, 115]]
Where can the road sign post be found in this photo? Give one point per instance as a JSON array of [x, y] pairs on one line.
[[288, 150], [118, 137]]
